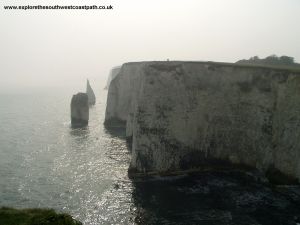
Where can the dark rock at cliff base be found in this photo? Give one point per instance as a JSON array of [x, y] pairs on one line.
[[276, 177], [79, 110], [90, 93], [227, 197]]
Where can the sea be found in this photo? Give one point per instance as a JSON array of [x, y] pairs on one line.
[[46, 163]]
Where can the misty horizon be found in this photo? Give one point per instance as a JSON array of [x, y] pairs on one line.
[[57, 48]]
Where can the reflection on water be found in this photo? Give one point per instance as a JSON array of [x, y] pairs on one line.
[[46, 163], [116, 132], [79, 132]]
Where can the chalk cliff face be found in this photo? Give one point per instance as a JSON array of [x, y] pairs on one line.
[[79, 110], [113, 73], [182, 115], [122, 96]]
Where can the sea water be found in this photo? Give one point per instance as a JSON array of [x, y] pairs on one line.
[[45, 163]]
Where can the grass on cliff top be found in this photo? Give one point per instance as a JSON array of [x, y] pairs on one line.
[[10, 216], [274, 67], [292, 69]]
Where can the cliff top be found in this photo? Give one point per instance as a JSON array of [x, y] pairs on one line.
[[226, 64]]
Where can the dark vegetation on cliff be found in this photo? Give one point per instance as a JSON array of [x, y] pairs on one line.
[[10, 216], [273, 61]]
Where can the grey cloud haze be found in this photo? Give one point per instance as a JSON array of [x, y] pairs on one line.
[[55, 48]]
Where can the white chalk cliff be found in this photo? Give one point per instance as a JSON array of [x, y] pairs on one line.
[[183, 115], [112, 74]]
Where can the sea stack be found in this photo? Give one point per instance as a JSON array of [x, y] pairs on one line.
[[79, 110], [90, 93]]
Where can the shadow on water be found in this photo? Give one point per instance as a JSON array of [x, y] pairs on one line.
[[79, 135], [211, 198], [80, 132], [116, 132]]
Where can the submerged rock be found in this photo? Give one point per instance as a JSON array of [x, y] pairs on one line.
[[79, 110], [184, 115], [90, 93]]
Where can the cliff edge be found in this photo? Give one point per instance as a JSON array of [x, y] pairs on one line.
[[112, 74], [184, 115]]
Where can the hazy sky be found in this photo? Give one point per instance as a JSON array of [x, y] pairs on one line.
[[48, 48]]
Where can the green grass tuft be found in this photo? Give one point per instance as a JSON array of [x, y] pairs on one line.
[[10, 216]]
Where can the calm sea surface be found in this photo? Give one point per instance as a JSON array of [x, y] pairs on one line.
[[46, 163]]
